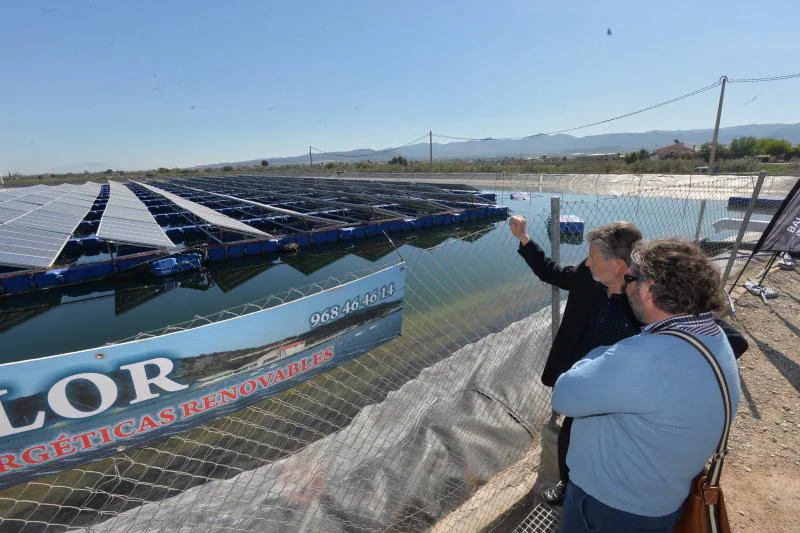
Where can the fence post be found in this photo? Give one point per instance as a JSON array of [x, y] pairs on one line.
[[743, 228], [502, 187], [700, 219], [555, 254]]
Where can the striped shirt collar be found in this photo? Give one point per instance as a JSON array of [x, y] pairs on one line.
[[701, 324]]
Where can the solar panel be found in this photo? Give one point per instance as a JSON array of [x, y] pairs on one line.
[[40, 198], [9, 194], [62, 198], [34, 238], [207, 214], [23, 260], [127, 220], [25, 247], [10, 213]]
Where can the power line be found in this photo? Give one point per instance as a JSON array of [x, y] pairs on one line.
[[485, 138], [618, 117], [373, 152], [575, 128], [759, 80], [650, 108]]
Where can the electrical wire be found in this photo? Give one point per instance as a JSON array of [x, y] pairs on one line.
[[374, 152], [760, 80], [618, 117], [453, 137], [575, 128]]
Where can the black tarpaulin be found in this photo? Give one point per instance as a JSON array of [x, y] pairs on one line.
[[401, 464], [783, 232]]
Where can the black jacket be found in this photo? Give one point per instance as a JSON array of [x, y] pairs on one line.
[[584, 292]]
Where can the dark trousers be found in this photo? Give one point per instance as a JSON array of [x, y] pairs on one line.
[[584, 514], [563, 446]]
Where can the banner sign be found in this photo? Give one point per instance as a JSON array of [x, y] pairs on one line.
[[783, 232], [60, 411]]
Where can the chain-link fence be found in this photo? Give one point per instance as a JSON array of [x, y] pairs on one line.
[[714, 211], [392, 440], [725, 215], [405, 434]]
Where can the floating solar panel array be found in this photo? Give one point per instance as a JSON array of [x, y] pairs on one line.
[[206, 213], [228, 217], [286, 206], [37, 224], [127, 220]]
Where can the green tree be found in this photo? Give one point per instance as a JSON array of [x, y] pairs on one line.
[[227, 168], [744, 147], [705, 151], [775, 147], [644, 155], [399, 160], [264, 163], [722, 152], [631, 157]]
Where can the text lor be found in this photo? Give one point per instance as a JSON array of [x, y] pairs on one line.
[[61, 405], [66, 445]]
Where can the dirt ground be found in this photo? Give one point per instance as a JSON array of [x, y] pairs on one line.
[[761, 477]]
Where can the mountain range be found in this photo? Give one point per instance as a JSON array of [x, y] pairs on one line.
[[536, 145]]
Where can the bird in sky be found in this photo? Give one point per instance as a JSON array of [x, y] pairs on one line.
[[608, 31]]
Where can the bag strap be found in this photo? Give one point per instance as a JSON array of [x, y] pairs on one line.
[[715, 469]]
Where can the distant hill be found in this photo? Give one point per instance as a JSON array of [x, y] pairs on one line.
[[545, 145], [88, 166]]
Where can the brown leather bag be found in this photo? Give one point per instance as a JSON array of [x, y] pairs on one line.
[[704, 506], [704, 510]]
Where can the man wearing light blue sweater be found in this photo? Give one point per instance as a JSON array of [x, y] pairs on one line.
[[648, 411]]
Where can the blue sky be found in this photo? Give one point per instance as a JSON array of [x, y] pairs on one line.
[[136, 85]]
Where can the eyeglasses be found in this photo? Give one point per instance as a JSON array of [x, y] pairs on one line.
[[630, 278]]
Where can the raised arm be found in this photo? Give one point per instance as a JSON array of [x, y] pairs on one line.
[[544, 267]]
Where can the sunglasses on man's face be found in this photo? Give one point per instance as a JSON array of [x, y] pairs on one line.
[[630, 278]]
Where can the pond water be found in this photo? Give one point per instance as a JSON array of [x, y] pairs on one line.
[[451, 266]]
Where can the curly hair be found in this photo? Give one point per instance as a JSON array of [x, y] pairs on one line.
[[615, 239], [685, 281]]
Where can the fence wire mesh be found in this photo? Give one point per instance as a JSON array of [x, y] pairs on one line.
[[400, 437], [286, 464], [709, 210], [542, 519]]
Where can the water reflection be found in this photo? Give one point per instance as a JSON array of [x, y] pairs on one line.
[[83, 316], [126, 298]]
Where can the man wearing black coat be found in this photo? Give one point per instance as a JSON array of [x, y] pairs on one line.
[[597, 311]]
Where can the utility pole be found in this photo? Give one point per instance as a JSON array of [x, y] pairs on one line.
[[713, 154], [430, 145], [310, 158]]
